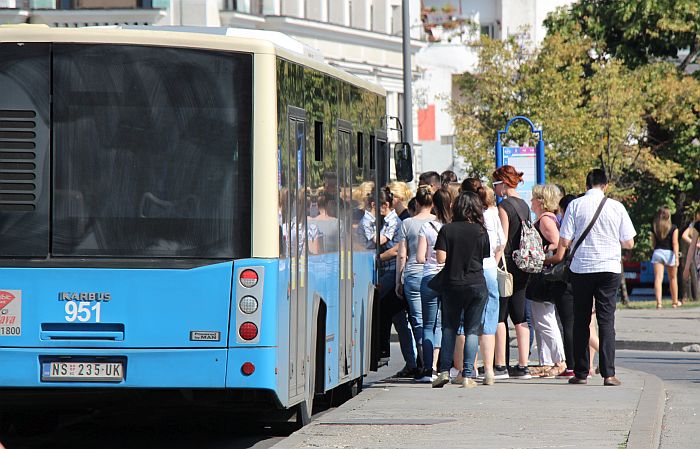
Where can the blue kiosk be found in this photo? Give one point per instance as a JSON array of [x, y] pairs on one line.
[[529, 160]]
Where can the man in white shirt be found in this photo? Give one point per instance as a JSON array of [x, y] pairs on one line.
[[595, 272]]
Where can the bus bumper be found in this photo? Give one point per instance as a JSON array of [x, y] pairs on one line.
[[263, 359], [144, 368], [150, 368]]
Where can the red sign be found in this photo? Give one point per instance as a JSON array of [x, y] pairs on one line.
[[5, 298]]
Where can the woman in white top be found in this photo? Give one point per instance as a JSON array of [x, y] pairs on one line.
[[487, 339], [425, 254], [409, 271]]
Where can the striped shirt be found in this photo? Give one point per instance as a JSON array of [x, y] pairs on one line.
[[600, 251]]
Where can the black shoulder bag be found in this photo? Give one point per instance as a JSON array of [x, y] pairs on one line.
[[560, 271]]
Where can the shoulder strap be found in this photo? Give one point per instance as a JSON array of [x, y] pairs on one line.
[[515, 208], [588, 229], [432, 225]]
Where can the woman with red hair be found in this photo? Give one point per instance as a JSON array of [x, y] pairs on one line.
[[512, 211]]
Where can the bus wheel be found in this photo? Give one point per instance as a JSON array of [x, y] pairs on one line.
[[343, 393], [304, 409]]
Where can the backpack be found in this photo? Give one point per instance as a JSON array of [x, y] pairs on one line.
[[530, 256]]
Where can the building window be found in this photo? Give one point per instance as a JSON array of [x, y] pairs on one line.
[[487, 30], [396, 24]]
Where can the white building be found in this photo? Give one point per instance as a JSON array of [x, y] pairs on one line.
[[363, 37]]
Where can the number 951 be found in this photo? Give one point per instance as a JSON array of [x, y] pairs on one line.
[[82, 311]]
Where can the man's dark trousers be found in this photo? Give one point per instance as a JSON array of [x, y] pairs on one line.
[[603, 287]]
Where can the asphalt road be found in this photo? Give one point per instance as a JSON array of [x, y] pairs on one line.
[[144, 425], [128, 427], [680, 372]]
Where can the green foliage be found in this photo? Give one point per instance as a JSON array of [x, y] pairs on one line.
[[605, 95], [635, 31]]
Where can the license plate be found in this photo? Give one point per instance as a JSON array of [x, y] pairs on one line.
[[82, 371]]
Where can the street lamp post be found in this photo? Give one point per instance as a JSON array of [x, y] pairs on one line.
[[407, 97]]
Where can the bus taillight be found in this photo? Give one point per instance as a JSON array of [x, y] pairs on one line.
[[249, 278], [248, 331]]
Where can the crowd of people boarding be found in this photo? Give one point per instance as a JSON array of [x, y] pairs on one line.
[[456, 264]]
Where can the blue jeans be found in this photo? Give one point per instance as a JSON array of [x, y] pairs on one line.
[[432, 322], [470, 300], [411, 291], [490, 317]]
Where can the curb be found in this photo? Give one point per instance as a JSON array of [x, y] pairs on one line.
[[645, 432], [651, 345]]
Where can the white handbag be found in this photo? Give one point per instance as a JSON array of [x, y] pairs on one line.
[[505, 280]]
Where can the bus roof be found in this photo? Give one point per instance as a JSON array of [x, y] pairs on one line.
[[226, 39]]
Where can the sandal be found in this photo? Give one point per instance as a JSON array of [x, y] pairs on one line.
[[554, 371]]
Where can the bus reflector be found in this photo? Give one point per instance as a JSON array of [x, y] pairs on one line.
[[249, 278], [248, 304], [248, 331], [248, 368]]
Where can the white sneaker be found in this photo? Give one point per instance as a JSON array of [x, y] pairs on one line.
[[454, 372]]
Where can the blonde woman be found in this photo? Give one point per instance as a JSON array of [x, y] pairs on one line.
[[550, 346], [402, 194], [664, 237]]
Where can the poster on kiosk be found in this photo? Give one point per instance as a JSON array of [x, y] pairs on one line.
[[526, 159]]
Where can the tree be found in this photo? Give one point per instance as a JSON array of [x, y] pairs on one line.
[[595, 110], [660, 39], [636, 31]]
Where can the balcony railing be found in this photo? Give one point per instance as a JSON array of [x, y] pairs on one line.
[[81, 4]]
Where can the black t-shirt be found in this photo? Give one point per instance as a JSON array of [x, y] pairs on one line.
[[697, 226], [514, 206], [466, 245], [666, 243]]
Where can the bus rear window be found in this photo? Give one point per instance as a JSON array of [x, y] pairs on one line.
[[152, 152]]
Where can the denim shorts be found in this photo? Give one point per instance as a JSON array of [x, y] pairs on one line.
[[490, 317], [664, 256]]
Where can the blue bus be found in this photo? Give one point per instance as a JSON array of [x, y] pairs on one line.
[[177, 213]]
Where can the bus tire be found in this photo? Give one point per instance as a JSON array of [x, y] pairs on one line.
[[305, 408], [303, 415], [343, 393]]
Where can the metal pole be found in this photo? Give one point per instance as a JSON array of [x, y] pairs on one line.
[[407, 97]]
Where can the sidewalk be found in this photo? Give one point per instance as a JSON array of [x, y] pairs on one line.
[[536, 413], [664, 329]]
